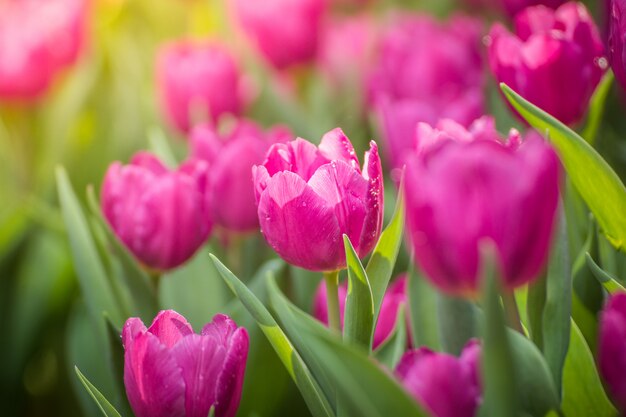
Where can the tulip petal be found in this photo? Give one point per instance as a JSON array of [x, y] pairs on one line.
[[374, 201], [230, 382], [169, 327], [335, 145]]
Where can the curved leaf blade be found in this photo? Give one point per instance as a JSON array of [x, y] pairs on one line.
[[103, 404], [608, 282]]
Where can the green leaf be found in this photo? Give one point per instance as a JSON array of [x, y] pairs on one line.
[[457, 322], [583, 394], [391, 350], [423, 309], [359, 312], [380, 266], [608, 282], [536, 301], [300, 373], [596, 107], [595, 180], [161, 147], [105, 406]]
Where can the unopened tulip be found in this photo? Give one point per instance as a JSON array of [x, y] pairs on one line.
[[231, 158], [37, 40], [387, 317], [555, 60], [170, 371], [617, 38], [444, 385], [198, 81], [309, 197], [426, 70], [161, 215], [460, 193], [286, 32], [612, 349]]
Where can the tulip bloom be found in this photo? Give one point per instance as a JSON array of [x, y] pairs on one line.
[[308, 197], [198, 82], [512, 7], [231, 157], [37, 40], [286, 32], [170, 371], [395, 295], [426, 71], [507, 193], [443, 384], [162, 216], [555, 60], [617, 38], [612, 349]]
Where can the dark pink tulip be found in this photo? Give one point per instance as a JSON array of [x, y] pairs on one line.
[[395, 295], [161, 215], [37, 40], [612, 349], [308, 197], [198, 81], [461, 192], [286, 32], [555, 60], [443, 384], [231, 157], [170, 371], [426, 70], [512, 7], [617, 38]]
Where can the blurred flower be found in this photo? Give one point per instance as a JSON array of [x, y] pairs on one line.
[[308, 197], [171, 371], [286, 32], [198, 82], [426, 71], [445, 385], [512, 7], [612, 348], [394, 296], [617, 37], [162, 216], [231, 158], [37, 40], [555, 60], [468, 188]]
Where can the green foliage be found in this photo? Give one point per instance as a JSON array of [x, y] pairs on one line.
[[105, 406]]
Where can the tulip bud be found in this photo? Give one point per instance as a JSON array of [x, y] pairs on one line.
[[612, 349], [426, 71], [507, 193], [555, 60], [387, 317], [231, 158], [162, 216], [285, 32], [171, 371], [308, 197], [617, 37], [197, 82], [443, 384]]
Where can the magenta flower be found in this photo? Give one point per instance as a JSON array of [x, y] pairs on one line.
[[460, 193], [231, 158], [612, 349], [555, 60], [426, 71], [37, 41], [286, 32], [512, 7], [308, 197], [198, 82], [395, 295], [443, 384], [162, 216], [170, 371], [617, 38]]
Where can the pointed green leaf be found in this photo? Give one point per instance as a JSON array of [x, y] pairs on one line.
[[596, 107], [105, 406], [608, 282], [391, 350], [595, 180]]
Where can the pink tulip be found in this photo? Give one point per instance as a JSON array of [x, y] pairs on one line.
[[617, 39], [308, 197], [426, 71], [231, 158], [198, 81], [443, 384], [555, 60], [37, 40], [170, 371], [512, 7], [286, 32], [395, 295], [461, 192], [612, 349], [162, 216]]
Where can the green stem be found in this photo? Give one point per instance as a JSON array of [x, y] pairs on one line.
[[512, 312], [332, 297]]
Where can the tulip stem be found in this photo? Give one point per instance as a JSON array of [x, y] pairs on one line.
[[332, 297], [512, 312]]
